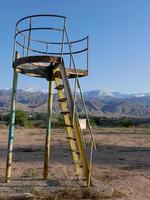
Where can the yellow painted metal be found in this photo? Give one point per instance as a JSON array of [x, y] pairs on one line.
[[18, 70], [69, 128], [48, 130], [74, 131], [82, 151]]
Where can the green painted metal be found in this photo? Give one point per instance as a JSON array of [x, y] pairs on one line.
[[48, 130], [11, 126]]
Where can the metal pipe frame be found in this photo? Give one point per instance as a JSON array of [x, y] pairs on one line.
[[41, 15], [11, 125], [48, 130], [31, 28], [52, 53], [48, 42]]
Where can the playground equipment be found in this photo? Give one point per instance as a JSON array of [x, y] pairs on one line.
[[35, 55]]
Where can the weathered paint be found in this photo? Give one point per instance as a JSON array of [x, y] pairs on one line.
[[48, 130], [11, 125], [74, 131]]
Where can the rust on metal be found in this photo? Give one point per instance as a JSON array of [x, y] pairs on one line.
[[35, 59]]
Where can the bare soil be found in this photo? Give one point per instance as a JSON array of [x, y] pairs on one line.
[[122, 160]]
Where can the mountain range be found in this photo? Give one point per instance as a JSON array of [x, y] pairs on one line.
[[98, 102]]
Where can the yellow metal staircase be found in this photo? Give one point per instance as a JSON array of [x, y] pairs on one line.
[[72, 123]]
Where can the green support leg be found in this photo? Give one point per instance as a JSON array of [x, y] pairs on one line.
[[48, 131], [12, 124], [11, 127]]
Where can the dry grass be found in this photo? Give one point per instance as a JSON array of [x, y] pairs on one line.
[[30, 173], [69, 193], [130, 167], [121, 160], [118, 194]]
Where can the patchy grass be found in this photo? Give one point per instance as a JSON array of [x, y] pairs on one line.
[[4, 197], [30, 173], [118, 151], [69, 193], [130, 167], [2, 178], [118, 194]]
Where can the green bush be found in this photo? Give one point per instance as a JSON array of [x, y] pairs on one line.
[[29, 124], [126, 123], [21, 118]]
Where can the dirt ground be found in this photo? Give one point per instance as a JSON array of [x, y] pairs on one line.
[[122, 160]]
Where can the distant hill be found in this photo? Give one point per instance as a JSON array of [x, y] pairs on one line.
[[98, 102]]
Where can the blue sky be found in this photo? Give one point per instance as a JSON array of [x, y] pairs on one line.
[[119, 33]]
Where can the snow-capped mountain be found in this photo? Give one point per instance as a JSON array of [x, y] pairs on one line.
[[31, 89], [106, 94], [92, 93], [98, 102], [34, 89], [141, 94], [98, 93]]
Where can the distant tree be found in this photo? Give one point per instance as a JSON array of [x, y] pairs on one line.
[[126, 122], [21, 118], [57, 121]]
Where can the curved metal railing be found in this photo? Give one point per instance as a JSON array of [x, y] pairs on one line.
[[27, 44]]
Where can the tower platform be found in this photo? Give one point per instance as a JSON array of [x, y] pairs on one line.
[[39, 66]]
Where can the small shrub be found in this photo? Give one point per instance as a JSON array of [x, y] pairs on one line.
[[117, 194], [21, 118], [126, 123], [29, 124]]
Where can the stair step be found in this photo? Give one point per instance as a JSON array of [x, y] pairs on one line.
[[77, 163], [81, 179], [69, 125], [65, 112], [71, 138], [57, 74], [78, 178], [62, 99], [59, 87], [76, 151], [55, 66]]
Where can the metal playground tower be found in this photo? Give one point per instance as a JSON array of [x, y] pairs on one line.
[[42, 49]]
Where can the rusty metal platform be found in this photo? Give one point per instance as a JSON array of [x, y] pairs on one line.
[[38, 66]]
